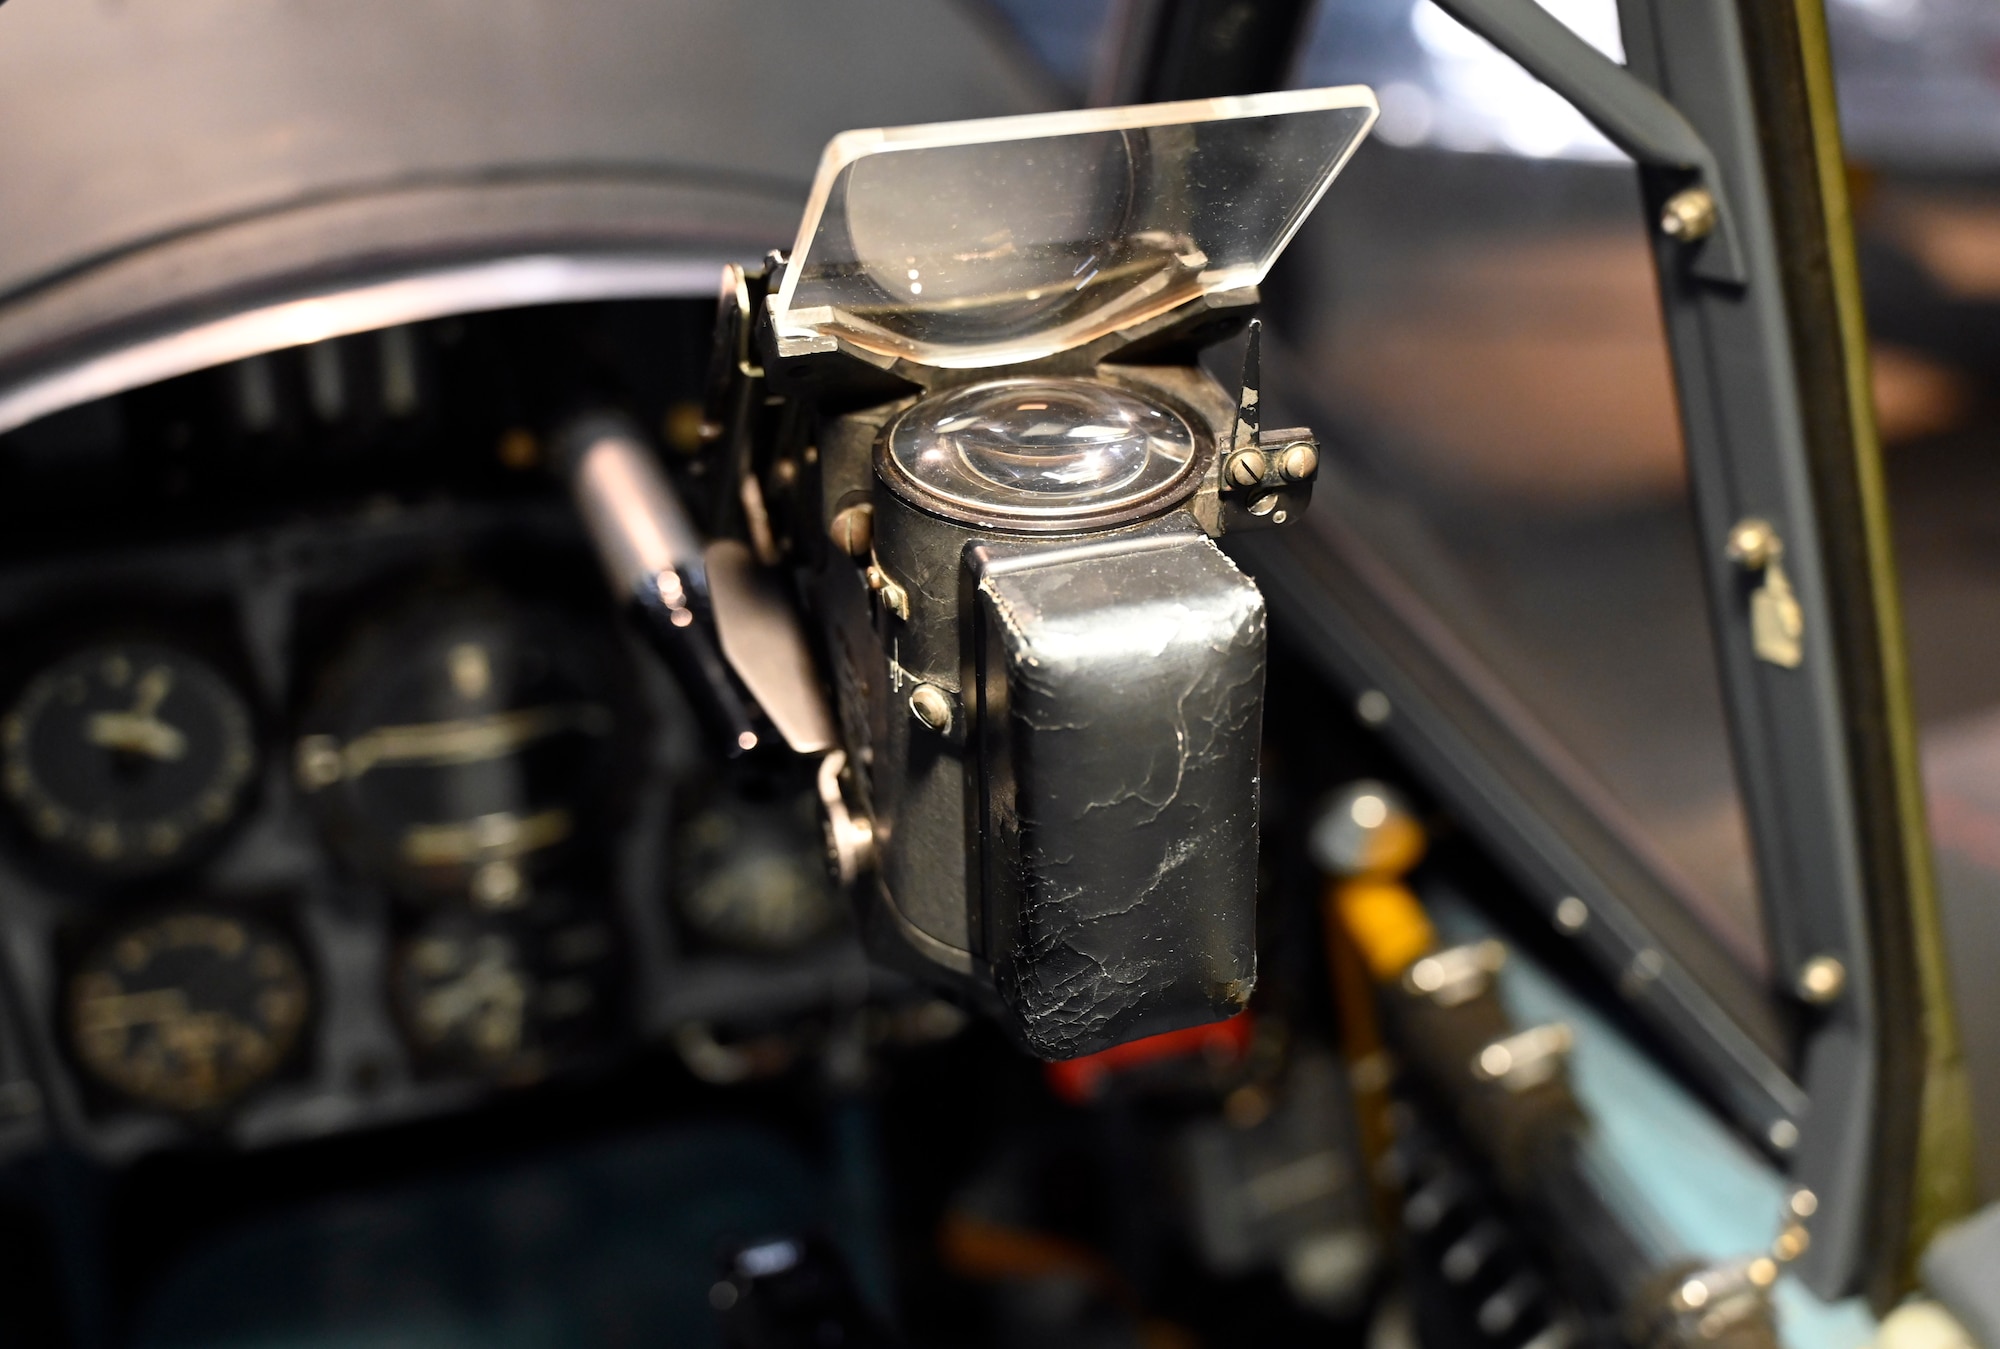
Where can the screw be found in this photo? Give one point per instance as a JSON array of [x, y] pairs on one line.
[[931, 705], [1299, 462], [1821, 980], [1688, 215], [1246, 469], [1753, 545], [853, 529], [1265, 504]]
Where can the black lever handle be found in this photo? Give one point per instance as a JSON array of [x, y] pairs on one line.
[[653, 555]]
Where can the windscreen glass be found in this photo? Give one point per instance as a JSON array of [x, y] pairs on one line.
[[983, 243], [1473, 325]]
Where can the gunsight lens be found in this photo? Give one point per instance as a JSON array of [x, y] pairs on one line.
[[1043, 448]]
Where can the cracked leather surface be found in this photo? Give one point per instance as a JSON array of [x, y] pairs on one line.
[[1121, 690]]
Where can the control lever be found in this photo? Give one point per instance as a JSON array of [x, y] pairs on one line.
[[720, 622]]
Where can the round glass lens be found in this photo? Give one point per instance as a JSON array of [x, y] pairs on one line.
[[1041, 448]]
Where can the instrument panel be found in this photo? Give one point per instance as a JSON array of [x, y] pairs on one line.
[[355, 802]]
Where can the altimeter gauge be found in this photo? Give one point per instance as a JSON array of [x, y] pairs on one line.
[[188, 1011], [127, 756]]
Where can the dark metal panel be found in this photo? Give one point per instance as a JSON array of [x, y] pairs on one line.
[[254, 139], [1160, 50]]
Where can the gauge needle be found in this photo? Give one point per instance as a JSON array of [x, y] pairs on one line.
[[470, 740], [140, 730]]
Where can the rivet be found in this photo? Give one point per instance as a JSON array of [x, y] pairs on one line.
[[1688, 215], [1572, 913], [1803, 1203], [1373, 707], [1784, 1135]]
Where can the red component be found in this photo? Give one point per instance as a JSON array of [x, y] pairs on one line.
[[1080, 1080]]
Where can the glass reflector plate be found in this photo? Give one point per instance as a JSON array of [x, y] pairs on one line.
[[972, 244]]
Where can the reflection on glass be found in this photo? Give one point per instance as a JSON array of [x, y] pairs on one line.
[[977, 244], [1481, 335], [1067, 36], [1042, 448], [1443, 86]]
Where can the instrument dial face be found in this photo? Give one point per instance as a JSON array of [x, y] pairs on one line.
[[461, 750], [189, 1011], [494, 996], [753, 878], [127, 756]]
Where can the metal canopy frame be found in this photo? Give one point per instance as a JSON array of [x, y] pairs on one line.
[[1733, 97]]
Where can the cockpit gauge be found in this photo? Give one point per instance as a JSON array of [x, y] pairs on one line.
[[127, 756], [459, 750], [188, 1011], [753, 877], [497, 996]]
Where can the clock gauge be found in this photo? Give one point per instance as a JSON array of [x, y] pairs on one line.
[[127, 757]]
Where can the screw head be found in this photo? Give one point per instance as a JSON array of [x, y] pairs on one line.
[[1245, 468], [931, 705], [1299, 462], [1265, 504], [1753, 544], [1688, 215], [1822, 979], [853, 529]]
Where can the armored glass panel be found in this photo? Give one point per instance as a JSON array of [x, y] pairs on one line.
[[977, 244], [1476, 323]]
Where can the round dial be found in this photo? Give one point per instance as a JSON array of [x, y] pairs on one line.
[[498, 996], [127, 756], [754, 878], [188, 1011], [459, 751]]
